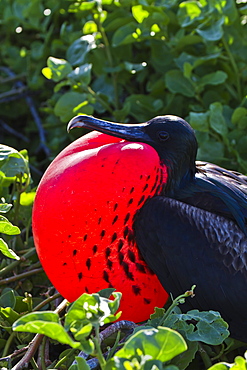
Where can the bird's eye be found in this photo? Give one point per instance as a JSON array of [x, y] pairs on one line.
[[163, 135]]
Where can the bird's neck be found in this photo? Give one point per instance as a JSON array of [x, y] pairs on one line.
[[178, 180]]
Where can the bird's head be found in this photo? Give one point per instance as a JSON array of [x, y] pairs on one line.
[[171, 136]]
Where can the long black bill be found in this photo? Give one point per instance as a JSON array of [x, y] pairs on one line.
[[131, 132]]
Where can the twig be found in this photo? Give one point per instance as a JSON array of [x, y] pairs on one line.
[[32, 348], [12, 265], [46, 301], [34, 344], [21, 276], [113, 328], [20, 85], [106, 333], [16, 91], [12, 78], [12, 131]]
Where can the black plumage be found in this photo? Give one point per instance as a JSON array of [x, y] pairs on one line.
[[195, 231]]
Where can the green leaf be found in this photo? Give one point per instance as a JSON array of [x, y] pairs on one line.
[[125, 34], [217, 120], [6, 227], [210, 150], [7, 299], [12, 162], [9, 314], [57, 69], [71, 104], [81, 364], [238, 114], [178, 84], [208, 327], [83, 6], [194, 61], [92, 308], [239, 364], [211, 328], [214, 78], [81, 74], [27, 199], [78, 51], [188, 12], [6, 251], [139, 13], [143, 106], [199, 121], [214, 32], [5, 207], [46, 323], [160, 344]]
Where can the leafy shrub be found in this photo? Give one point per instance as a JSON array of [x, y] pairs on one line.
[[125, 61], [136, 60]]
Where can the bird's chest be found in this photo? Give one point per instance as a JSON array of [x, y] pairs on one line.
[[88, 210]]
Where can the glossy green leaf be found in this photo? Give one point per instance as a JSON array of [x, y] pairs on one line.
[[238, 114], [139, 13], [46, 323], [240, 363], [199, 121], [5, 207], [12, 162], [214, 32], [160, 344], [78, 51], [178, 84], [9, 314], [7, 298], [81, 74], [125, 34], [6, 251], [92, 308], [6, 227], [188, 12], [207, 327], [57, 69], [27, 199], [70, 104], [217, 120], [81, 364], [214, 78]]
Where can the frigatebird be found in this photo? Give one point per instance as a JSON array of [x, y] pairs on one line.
[[193, 231]]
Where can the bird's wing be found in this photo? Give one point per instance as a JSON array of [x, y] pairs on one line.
[[185, 245], [219, 191]]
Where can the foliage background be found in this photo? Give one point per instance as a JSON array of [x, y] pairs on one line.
[[124, 61]]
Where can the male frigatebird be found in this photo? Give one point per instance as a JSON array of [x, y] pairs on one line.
[[192, 230]]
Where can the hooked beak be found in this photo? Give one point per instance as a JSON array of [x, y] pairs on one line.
[[129, 132]]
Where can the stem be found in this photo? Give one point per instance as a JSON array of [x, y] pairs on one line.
[[116, 344], [234, 66], [64, 359], [177, 301], [98, 351], [34, 344], [205, 358], [8, 344], [46, 301], [21, 276], [43, 354], [34, 365], [101, 101], [12, 265], [108, 54]]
